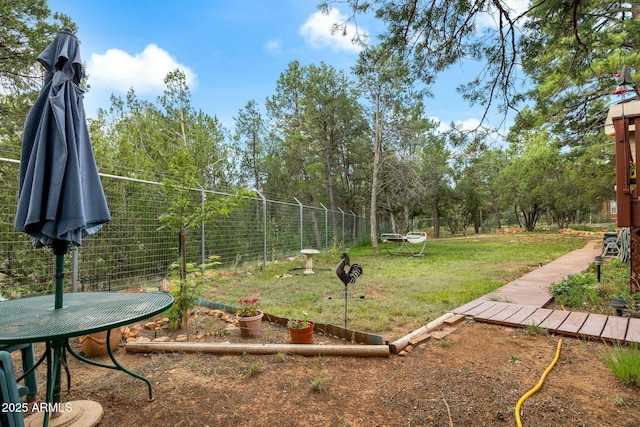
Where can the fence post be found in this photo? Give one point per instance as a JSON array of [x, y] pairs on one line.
[[353, 232], [301, 228], [326, 226], [342, 212], [264, 227], [74, 269], [203, 248]]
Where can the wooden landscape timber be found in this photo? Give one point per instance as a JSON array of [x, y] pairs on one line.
[[252, 348]]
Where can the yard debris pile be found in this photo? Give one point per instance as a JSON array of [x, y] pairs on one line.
[[581, 232]]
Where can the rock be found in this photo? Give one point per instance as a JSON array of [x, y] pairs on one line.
[[162, 339], [165, 286], [182, 338], [142, 339], [152, 326]]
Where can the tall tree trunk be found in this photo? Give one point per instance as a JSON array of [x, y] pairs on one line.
[[377, 159], [183, 282]]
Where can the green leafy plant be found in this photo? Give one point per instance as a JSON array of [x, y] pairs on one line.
[[575, 290], [248, 307], [300, 323], [186, 292]]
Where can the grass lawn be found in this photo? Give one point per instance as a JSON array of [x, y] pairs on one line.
[[395, 294]]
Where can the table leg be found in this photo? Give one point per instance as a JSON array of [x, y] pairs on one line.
[[54, 378], [117, 366]]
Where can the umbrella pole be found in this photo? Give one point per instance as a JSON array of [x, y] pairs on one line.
[[59, 249]]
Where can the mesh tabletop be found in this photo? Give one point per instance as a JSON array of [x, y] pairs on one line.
[[35, 319]]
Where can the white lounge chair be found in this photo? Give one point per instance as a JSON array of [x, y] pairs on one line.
[[412, 238]]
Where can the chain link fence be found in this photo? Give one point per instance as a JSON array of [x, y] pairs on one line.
[[134, 249]]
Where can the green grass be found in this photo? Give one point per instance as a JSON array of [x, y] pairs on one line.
[[624, 362], [394, 292]]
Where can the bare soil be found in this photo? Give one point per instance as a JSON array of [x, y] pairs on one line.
[[472, 377]]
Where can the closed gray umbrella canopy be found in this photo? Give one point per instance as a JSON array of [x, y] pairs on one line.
[[60, 196]]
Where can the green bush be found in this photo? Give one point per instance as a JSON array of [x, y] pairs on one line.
[[576, 289]]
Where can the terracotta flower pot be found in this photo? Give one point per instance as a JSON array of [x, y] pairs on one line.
[[302, 335], [250, 326], [95, 344]]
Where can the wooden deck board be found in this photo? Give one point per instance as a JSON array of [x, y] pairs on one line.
[[486, 305], [492, 311], [555, 319], [593, 325], [505, 314], [520, 316], [633, 330], [615, 329], [572, 323], [538, 316], [468, 306]]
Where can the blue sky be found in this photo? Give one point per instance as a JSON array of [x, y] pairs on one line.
[[232, 51]]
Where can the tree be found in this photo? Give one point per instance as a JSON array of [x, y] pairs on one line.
[[26, 29], [316, 121], [251, 145], [437, 34], [571, 50], [436, 175], [394, 109]]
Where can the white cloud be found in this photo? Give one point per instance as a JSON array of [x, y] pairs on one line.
[[469, 124], [273, 46], [118, 71], [317, 32]]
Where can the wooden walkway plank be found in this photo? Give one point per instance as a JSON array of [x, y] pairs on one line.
[[593, 326], [520, 316], [615, 329], [521, 303], [572, 323], [497, 308], [555, 319], [479, 309], [633, 330], [468, 306], [505, 314], [537, 317]]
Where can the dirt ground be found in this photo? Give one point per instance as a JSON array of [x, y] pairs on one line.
[[472, 377]]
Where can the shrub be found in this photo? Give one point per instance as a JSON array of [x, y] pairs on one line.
[[576, 289]]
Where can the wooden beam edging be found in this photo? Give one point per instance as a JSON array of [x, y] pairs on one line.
[[251, 348], [399, 345], [320, 328]]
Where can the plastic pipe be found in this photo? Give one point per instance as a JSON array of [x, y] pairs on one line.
[[537, 387]]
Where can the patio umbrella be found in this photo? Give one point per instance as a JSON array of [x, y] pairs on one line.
[[60, 197]]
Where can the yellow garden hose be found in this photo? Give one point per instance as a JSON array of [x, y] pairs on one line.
[[537, 387]]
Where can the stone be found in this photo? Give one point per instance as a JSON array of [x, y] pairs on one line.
[[152, 326]]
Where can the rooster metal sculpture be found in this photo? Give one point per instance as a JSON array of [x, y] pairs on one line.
[[354, 272], [348, 278]]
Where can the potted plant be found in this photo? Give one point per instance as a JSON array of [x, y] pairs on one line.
[[249, 317], [301, 330]]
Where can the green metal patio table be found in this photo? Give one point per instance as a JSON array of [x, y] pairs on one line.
[[34, 319]]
